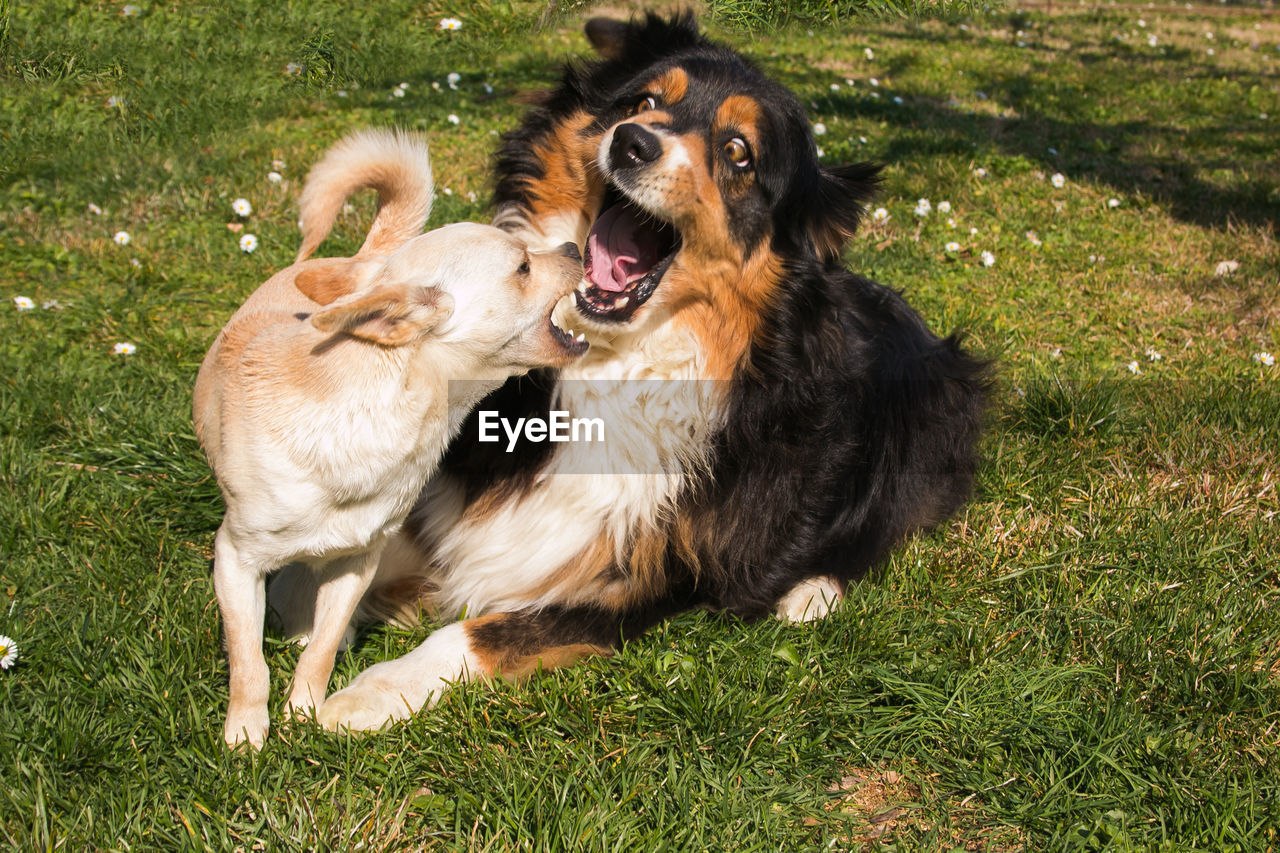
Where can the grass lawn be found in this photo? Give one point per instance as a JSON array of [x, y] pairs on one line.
[[1087, 658]]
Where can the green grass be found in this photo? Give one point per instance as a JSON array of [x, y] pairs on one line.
[[1086, 658]]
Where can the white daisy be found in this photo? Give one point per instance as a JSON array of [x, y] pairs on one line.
[[880, 215], [1133, 367], [450, 24], [819, 129], [923, 207], [8, 652], [868, 53], [453, 119], [124, 348], [293, 69], [1033, 238], [1058, 180], [953, 246], [241, 207], [275, 177], [980, 172], [51, 305], [1264, 358], [23, 303], [397, 92], [944, 207], [897, 99], [951, 223], [1113, 202], [94, 209], [873, 81], [122, 238], [454, 79], [988, 259], [488, 89], [1154, 355], [129, 11], [277, 164], [1152, 40], [248, 243], [115, 101]]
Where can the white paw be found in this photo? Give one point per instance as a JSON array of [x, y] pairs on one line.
[[365, 706], [246, 726], [810, 600]]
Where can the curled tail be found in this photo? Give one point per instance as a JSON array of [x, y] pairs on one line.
[[393, 163]]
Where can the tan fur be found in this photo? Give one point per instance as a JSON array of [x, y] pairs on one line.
[[671, 86], [322, 422]]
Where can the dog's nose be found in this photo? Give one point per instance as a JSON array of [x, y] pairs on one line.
[[633, 146], [570, 251]]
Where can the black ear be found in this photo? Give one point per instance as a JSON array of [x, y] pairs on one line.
[[838, 205], [644, 39]]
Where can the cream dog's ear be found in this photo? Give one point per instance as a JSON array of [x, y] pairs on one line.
[[390, 315], [328, 281]]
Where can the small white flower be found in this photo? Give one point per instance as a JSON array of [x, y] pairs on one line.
[[293, 69], [951, 223], [23, 303], [1264, 358], [973, 231], [875, 96], [1225, 268], [1133, 367], [988, 259], [248, 243], [135, 263], [450, 24], [277, 164], [397, 92], [1053, 151], [115, 101], [51, 305], [873, 81], [94, 209], [122, 238], [471, 197], [129, 11], [435, 84], [453, 119], [980, 172], [835, 87], [953, 246], [1141, 23], [1209, 36], [1152, 40], [275, 177], [1033, 238], [488, 89], [862, 139], [242, 207], [348, 208], [8, 652], [124, 348], [1154, 355], [1058, 180], [923, 207], [897, 99], [944, 207], [453, 79], [341, 93], [1056, 352], [819, 129], [1210, 51], [880, 215], [1113, 202], [868, 53], [447, 191]]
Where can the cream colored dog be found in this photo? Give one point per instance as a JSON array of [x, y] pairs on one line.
[[330, 396]]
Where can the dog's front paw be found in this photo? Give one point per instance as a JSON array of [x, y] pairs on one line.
[[364, 706], [248, 725]]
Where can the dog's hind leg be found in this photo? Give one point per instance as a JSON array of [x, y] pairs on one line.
[[242, 598], [341, 583], [810, 600]]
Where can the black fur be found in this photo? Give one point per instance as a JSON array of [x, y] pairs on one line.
[[849, 427]]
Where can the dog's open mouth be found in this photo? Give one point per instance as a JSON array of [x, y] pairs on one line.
[[628, 250], [573, 343]]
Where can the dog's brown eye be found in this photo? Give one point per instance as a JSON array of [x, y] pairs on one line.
[[737, 153], [524, 267], [649, 102]]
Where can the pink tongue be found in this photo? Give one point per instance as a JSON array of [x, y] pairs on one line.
[[620, 249]]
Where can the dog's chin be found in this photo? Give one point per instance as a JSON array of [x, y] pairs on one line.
[[629, 250]]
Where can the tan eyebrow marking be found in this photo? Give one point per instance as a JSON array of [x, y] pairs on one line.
[[670, 86], [741, 114]]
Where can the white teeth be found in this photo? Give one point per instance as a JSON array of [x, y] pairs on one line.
[[622, 303], [569, 332], [580, 338], [582, 287]]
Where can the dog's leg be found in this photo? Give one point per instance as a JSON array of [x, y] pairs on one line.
[[508, 645], [342, 582], [810, 600], [242, 598]]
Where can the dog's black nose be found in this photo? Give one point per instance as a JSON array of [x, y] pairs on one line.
[[570, 250], [633, 146]]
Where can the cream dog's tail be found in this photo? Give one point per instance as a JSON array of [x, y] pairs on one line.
[[393, 163]]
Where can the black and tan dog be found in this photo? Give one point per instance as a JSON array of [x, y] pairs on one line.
[[809, 420]]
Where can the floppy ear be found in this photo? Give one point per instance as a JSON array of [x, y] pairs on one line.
[[642, 40], [838, 205], [328, 281], [389, 315]]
